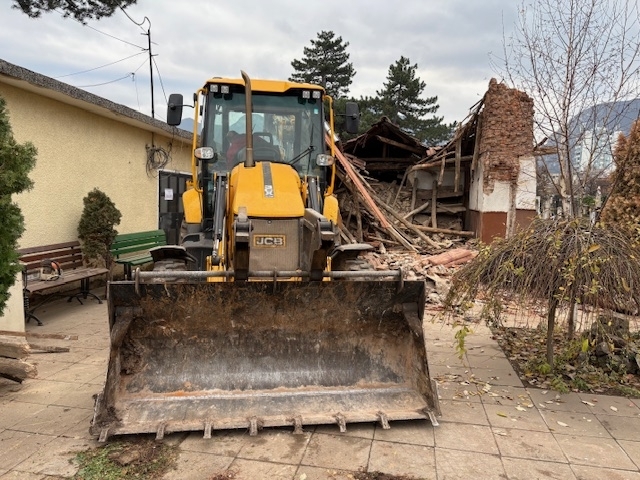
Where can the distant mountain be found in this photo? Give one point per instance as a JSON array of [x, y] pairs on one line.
[[601, 120], [186, 124]]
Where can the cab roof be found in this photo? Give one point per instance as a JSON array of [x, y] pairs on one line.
[[271, 86]]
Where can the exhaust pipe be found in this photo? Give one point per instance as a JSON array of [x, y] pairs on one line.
[[249, 161]]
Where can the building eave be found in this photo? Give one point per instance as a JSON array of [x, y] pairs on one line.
[[30, 81]]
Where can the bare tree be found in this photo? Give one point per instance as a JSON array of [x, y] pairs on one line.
[[580, 61]]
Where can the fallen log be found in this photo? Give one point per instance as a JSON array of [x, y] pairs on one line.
[[14, 347], [446, 231], [450, 256], [17, 370]]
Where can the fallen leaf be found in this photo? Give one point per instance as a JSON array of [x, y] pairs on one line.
[[562, 424], [521, 409], [500, 414]]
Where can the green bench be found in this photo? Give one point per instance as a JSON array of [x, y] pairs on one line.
[[132, 249]]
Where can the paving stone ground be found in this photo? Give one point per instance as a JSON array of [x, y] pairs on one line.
[[491, 426]]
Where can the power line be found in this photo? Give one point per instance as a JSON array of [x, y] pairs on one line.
[[131, 74], [102, 33], [106, 83], [160, 77], [102, 66], [145, 19]]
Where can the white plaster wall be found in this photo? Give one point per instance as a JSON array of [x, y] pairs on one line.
[[476, 194], [12, 319], [77, 152], [499, 200], [526, 192]]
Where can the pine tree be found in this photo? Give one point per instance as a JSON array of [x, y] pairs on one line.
[[325, 63], [400, 101], [96, 228], [623, 205], [16, 161], [81, 10]]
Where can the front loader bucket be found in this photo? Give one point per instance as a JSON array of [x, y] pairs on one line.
[[203, 356]]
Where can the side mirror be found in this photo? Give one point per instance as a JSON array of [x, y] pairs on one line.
[[174, 109], [352, 117]]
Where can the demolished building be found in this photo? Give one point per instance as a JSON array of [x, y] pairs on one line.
[[482, 184]]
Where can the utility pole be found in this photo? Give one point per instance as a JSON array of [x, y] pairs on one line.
[[148, 34]]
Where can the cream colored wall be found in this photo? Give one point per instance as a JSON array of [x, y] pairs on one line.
[[12, 319], [77, 152]]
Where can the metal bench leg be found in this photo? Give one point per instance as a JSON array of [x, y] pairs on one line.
[[29, 316], [84, 292], [28, 313]]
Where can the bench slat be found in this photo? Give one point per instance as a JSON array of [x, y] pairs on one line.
[[129, 243], [49, 248], [68, 255]]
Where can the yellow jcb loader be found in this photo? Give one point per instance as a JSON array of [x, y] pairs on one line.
[[259, 318]]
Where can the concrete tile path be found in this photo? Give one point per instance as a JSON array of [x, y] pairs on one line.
[[491, 426]]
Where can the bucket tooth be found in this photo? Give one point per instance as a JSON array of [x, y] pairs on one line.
[[342, 422], [432, 418], [207, 429], [297, 425], [384, 420], [436, 396], [104, 435], [253, 426], [160, 431]]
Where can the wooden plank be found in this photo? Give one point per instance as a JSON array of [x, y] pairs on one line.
[[476, 144], [408, 225], [446, 231], [434, 204], [442, 208], [39, 348], [414, 194], [137, 242], [456, 180], [450, 256], [66, 278], [371, 160], [403, 146], [17, 369], [415, 211], [13, 347], [30, 334], [374, 209], [438, 163], [44, 248]]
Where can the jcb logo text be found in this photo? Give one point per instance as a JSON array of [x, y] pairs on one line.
[[269, 240]]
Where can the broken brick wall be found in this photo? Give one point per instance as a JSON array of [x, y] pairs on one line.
[[507, 133]]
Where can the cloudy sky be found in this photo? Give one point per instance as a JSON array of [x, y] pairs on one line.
[[450, 40]]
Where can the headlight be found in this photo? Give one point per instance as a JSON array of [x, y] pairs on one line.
[[324, 160], [203, 153]]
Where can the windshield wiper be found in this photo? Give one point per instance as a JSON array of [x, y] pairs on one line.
[[298, 157]]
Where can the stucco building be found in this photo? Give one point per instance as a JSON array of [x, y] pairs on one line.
[[86, 142]]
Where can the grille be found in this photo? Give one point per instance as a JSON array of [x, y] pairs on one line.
[[274, 244]]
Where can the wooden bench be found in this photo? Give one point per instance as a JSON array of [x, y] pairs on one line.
[[132, 249], [69, 257]]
